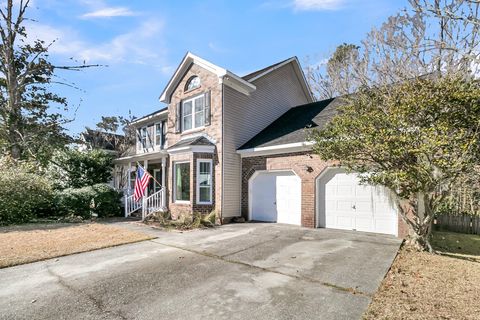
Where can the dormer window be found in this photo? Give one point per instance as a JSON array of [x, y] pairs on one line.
[[192, 83]]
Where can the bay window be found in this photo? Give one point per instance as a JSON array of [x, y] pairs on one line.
[[181, 181], [204, 181]]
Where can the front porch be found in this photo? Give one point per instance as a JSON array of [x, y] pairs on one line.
[[155, 198]]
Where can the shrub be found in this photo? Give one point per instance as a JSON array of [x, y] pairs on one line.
[[184, 221], [77, 169], [24, 195], [99, 198]]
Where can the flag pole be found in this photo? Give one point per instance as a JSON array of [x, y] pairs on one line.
[[149, 174]]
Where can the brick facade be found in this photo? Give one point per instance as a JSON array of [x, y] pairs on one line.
[[209, 82], [305, 165]]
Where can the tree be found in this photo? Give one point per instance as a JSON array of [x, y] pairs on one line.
[[416, 138], [432, 44], [430, 37], [76, 169], [28, 127], [109, 127], [337, 76]]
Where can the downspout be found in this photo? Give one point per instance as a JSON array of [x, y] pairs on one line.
[[223, 151]]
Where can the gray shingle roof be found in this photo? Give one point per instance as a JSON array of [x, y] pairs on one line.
[[195, 141], [291, 127]]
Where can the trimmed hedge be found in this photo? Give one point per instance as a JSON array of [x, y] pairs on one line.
[[99, 198], [24, 195]]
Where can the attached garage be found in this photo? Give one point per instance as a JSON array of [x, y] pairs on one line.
[[343, 203], [275, 196]]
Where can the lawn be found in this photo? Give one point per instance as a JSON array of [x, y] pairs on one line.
[[421, 285], [39, 242]]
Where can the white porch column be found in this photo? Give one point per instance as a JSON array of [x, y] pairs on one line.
[[163, 171], [129, 178], [164, 193]]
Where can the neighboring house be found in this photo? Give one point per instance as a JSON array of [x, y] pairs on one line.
[[238, 145]]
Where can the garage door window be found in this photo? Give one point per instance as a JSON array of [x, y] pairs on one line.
[[204, 181], [182, 181]]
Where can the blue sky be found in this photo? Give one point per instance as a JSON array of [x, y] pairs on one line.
[[141, 42]]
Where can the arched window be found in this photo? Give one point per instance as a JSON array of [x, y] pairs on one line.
[[192, 83]]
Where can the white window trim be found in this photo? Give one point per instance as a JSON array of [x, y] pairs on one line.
[[193, 128], [156, 134], [143, 146], [198, 182], [175, 183]]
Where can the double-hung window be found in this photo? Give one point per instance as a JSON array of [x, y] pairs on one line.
[[181, 181], [193, 113], [158, 134], [143, 137], [204, 181]]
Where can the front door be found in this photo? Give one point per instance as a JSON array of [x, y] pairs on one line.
[[155, 184]]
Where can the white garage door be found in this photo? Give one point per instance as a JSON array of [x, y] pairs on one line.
[[345, 204], [275, 197]]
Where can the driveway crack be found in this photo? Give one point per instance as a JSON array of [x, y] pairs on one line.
[[354, 291], [250, 247], [97, 303]]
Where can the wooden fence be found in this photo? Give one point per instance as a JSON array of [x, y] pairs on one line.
[[458, 223]]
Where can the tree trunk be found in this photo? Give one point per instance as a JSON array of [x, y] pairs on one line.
[[418, 217]]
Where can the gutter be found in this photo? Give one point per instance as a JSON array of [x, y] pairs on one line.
[[278, 149]]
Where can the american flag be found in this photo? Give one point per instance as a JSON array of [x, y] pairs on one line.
[[141, 183]]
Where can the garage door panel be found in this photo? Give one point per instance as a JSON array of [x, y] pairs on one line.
[[384, 226], [344, 191], [364, 224], [344, 222], [276, 197], [362, 191], [347, 204], [363, 206], [343, 205]]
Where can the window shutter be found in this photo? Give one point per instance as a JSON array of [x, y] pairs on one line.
[[139, 139], [207, 110], [178, 118]]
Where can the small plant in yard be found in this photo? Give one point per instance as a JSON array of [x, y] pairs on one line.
[[183, 222]]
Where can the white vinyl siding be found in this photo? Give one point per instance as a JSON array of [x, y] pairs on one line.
[[246, 116]]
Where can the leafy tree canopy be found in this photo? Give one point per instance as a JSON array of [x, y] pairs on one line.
[[416, 138]]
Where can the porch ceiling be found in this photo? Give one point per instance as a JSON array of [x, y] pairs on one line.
[[141, 157]]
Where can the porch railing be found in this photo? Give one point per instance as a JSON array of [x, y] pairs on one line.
[[149, 204], [131, 205], [153, 203]]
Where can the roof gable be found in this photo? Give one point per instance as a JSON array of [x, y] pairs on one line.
[[224, 76], [252, 77]]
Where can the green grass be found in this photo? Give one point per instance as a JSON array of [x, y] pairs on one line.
[[459, 245]]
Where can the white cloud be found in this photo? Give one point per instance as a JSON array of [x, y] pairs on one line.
[[109, 12], [134, 46], [215, 48], [317, 5], [142, 45]]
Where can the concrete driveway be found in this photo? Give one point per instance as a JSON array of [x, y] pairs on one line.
[[239, 271]]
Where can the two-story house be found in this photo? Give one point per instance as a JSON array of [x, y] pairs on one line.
[[237, 145]]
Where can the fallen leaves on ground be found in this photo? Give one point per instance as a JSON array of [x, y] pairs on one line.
[[51, 241], [422, 285]]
